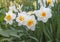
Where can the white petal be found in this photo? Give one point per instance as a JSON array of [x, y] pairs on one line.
[[44, 20], [37, 13], [33, 28], [17, 19], [49, 15], [13, 16], [10, 22], [19, 24], [39, 18], [9, 12], [15, 10]]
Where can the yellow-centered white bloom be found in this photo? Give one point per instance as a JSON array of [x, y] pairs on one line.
[[30, 22], [21, 18], [43, 14], [9, 17]]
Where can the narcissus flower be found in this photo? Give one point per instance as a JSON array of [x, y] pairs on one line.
[[50, 2], [30, 22], [9, 17], [21, 18], [43, 14]]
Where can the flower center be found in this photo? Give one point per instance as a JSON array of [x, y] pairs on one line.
[[30, 22], [8, 17], [21, 18], [49, 1], [43, 14]]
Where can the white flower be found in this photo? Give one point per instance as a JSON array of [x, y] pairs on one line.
[[13, 8], [9, 17], [30, 22], [21, 18], [43, 14]]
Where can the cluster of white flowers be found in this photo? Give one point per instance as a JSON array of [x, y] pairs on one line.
[[28, 18]]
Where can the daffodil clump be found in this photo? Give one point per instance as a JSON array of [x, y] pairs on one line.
[[28, 19]]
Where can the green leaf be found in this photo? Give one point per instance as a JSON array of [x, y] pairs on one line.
[[4, 33]]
